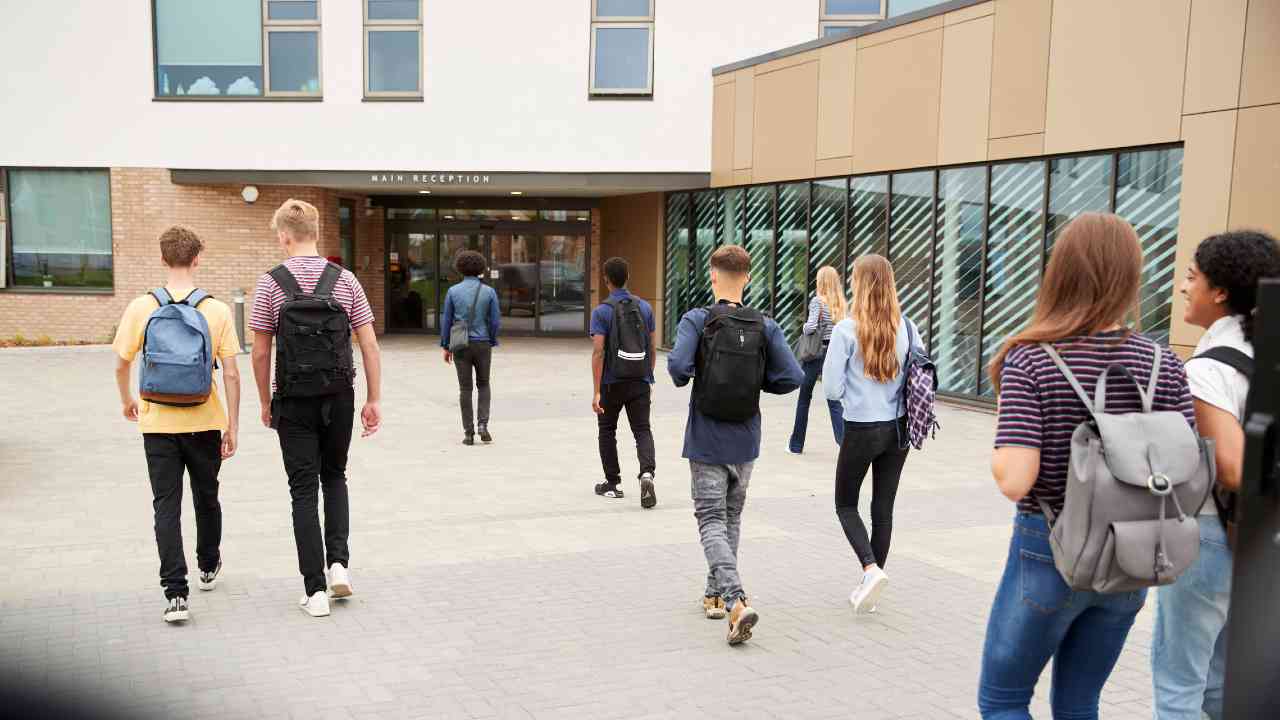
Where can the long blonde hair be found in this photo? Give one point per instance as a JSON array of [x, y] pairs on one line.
[[831, 292], [877, 313]]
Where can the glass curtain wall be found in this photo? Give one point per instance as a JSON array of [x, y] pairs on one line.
[[968, 244]]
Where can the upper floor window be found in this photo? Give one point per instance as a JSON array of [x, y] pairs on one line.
[[209, 50], [836, 17], [622, 47], [393, 48]]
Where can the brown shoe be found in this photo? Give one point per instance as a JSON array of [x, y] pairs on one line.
[[713, 606], [742, 618]]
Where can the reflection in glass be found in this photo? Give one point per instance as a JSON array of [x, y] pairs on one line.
[[706, 212], [563, 283], [207, 48], [851, 7], [622, 8], [759, 245], [412, 281], [902, 7], [393, 9], [957, 277], [833, 30], [61, 228], [347, 232], [294, 61], [1148, 190], [567, 215], [1077, 185], [731, 204], [868, 218], [514, 259], [393, 61], [410, 214], [1015, 236], [911, 244], [292, 9], [827, 239], [676, 262], [793, 256], [622, 58]]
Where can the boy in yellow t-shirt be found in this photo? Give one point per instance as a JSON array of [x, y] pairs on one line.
[[195, 439]]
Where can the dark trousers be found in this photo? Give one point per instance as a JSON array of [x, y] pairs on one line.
[[812, 369], [315, 434], [636, 397], [474, 358], [200, 455], [871, 445]]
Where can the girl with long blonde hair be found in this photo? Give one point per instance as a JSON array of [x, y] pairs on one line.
[[863, 371], [826, 308]]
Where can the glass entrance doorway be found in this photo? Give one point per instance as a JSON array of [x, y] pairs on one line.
[[540, 277]]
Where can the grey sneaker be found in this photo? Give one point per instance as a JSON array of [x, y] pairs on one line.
[[208, 580], [177, 610], [648, 498]]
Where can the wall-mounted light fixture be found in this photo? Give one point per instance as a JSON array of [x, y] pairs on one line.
[[250, 194]]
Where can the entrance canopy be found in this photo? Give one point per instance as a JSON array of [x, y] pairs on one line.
[[455, 182]]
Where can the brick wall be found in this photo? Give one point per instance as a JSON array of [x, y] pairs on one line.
[[239, 247]]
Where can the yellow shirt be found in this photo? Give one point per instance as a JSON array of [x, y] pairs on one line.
[[156, 418]]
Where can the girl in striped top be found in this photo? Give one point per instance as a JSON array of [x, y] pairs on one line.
[[1090, 287], [825, 310]]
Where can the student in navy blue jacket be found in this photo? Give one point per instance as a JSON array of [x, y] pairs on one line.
[[721, 454]]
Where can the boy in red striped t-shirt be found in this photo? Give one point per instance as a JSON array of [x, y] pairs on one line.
[[315, 432]]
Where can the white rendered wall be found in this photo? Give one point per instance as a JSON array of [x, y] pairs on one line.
[[505, 85]]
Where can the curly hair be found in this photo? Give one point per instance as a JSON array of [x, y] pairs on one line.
[[1235, 261], [470, 263]]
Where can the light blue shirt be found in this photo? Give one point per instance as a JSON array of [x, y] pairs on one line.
[[457, 306], [845, 380]]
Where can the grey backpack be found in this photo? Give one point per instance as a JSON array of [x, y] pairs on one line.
[[1134, 487]]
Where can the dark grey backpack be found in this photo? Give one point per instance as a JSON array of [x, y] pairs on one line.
[[1134, 487]]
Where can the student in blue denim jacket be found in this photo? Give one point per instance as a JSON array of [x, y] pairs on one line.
[[483, 337]]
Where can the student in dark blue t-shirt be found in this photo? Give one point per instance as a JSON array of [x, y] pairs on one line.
[[612, 395]]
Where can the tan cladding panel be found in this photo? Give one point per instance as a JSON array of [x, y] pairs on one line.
[[786, 123], [1260, 83], [1257, 170], [895, 115], [966, 91], [900, 32], [1131, 94], [1016, 147], [744, 103], [722, 112], [835, 100], [1019, 67], [632, 229], [1215, 47]]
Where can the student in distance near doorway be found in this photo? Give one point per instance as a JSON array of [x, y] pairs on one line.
[[732, 353], [622, 362], [314, 307], [469, 325], [183, 424]]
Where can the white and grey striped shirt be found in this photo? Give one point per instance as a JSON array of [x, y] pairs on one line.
[[819, 316]]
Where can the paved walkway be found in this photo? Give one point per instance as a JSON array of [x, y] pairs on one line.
[[490, 581]]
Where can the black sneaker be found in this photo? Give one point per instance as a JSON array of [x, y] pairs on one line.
[[609, 490], [484, 434], [648, 498], [469, 439], [208, 580], [177, 610]]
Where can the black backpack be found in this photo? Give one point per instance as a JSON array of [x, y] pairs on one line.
[[730, 363], [313, 357], [627, 347], [1225, 500]]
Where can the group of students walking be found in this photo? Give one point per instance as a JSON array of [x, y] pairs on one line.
[[1077, 335]]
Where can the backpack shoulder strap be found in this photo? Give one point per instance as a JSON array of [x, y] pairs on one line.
[[1230, 357], [1149, 401], [287, 283], [328, 281], [1071, 378], [196, 297], [162, 296]]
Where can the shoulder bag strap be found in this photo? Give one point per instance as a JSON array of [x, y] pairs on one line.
[[1071, 378], [1230, 357], [475, 300], [328, 281], [285, 281]]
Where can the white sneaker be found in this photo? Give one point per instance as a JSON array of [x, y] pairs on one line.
[[865, 597], [317, 605], [339, 581]]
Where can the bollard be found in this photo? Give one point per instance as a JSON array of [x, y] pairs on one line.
[[237, 298]]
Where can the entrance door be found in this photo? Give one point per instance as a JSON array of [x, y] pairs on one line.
[[563, 276], [412, 279], [513, 271]]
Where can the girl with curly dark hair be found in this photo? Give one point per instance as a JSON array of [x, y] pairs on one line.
[[1188, 650]]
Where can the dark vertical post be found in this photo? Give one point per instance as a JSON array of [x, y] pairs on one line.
[[1044, 216], [982, 278], [933, 255]]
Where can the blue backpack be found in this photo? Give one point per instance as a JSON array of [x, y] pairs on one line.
[[177, 352]]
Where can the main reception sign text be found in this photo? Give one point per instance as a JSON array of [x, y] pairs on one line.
[[429, 179]]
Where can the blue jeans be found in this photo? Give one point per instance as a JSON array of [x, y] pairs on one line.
[[1189, 649], [812, 370], [1035, 617]]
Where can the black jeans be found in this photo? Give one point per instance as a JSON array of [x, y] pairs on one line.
[[475, 357], [636, 397], [869, 445], [200, 455], [315, 434]]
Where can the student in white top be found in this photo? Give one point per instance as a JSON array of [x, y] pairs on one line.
[[1188, 650]]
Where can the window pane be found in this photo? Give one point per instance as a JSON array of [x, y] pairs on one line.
[[347, 232], [622, 8], [831, 30], [677, 263], [567, 215], [61, 227], [393, 9], [292, 10], [827, 233], [208, 49], [393, 61], [1077, 185], [563, 301], [622, 58], [851, 7], [295, 61], [957, 277], [1015, 236], [759, 245], [731, 219], [902, 7], [911, 243], [868, 218], [1148, 189], [793, 258], [706, 217], [410, 214]]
